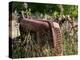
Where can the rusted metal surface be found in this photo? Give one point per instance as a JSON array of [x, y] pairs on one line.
[[34, 25], [39, 25]]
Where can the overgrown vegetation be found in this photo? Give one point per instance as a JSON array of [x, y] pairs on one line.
[[65, 15]]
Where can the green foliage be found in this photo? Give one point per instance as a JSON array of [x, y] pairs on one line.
[[69, 38], [70, 41], [50, 9], [71, 10], [18, 6]]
